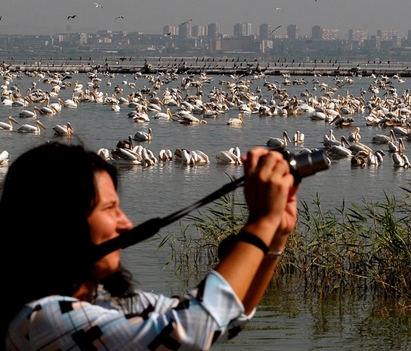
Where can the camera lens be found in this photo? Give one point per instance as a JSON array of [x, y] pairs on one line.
[[305, 164]]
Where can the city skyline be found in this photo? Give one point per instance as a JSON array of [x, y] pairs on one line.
[[51, 17]]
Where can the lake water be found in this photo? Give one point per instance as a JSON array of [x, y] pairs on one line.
[[285, 320]]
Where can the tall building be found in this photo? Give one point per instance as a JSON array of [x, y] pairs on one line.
[[242, 29], [292, 31], [184, 30], [386, 34], [265, 31], [316, 33], [213, 30], [330, 34], [358, 35], [170, 30], [199, 31]]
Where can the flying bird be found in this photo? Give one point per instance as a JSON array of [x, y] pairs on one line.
[[278, 8], [275, 29], [1, 17], [97, 5], [72, 16], [119, 17], [187, 22]]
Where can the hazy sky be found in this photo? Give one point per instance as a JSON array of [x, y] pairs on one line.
[[149, 16]]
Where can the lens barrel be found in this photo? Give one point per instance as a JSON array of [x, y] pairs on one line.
[[305, 164]]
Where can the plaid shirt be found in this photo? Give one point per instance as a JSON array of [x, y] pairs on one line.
[[146, 321]]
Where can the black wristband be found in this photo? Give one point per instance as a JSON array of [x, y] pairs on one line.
[[253, 240], [227, 244]]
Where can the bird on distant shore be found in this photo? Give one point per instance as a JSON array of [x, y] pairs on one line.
[[97, 5], [72, 16], [119, 17]]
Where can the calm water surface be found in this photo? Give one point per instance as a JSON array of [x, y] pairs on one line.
[[285, 320]]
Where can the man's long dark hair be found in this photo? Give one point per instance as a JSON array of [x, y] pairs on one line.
[[47, 196]]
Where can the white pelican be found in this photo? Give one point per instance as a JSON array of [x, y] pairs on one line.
[[394, 144], [46, 110], [27, 114], [354, 135], [8, 126], [237, 122], [4, 158], [165, 155], [376, 157], [125, 156], [400, 160], [69, 103], [279, 142], [298, 137], [186, 157], [115, 107], [185, 117], [28, 128], [104, 154], [199, 157], [227, 157], [236, 151], [126, 143], [63, 130], [338, 151], [148, 158], [144, 136], [382, 139], [165, 116], [355, 146], [140, 115]]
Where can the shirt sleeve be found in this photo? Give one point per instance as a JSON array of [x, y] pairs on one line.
[[209, 313]]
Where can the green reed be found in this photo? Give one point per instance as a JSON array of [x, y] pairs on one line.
[[358, 249]]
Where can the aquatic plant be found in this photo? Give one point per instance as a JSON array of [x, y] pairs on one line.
[[355, 249]]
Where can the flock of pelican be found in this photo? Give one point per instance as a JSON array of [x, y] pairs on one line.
[[187, 103]]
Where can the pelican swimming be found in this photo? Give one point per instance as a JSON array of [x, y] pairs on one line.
[[144, 136], [9, 125], [279, 142], [28, 128], [164, 115], [227, 157], [69, 103], [27, 114], [126, 144], [185, 117], [46, 110], [298, 137], [4, 158], [338, 151], [237, 122], [382, 139], [355, 146], [125, 156], [199, 157], [63, 130], [165, 155], [399, 159]]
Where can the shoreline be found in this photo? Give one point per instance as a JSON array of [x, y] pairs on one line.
[[191, 65]]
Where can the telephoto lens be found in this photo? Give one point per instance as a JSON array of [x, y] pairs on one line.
[[305, 164]]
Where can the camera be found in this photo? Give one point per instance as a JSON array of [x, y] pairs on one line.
[[304, 164]]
